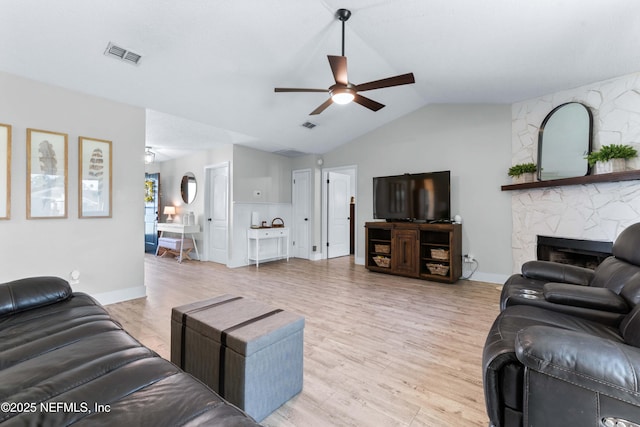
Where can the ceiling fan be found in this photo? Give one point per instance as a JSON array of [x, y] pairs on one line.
[[343, 92]]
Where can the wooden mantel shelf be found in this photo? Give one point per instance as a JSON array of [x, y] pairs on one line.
[[588, 179]]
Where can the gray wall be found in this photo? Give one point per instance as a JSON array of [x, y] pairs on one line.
[[473, 142], [109, 253]]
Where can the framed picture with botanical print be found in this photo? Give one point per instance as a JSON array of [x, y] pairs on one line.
[[94, 178], [46, 174], [5, 171]]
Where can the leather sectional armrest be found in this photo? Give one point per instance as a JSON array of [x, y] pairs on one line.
[[603, 365], [585, 296], [556, 272], [24, 294]]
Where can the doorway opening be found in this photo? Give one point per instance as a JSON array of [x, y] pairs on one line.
[[339, 208]]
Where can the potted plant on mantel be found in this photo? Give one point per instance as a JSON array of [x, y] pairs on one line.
[[611, 158], [522, 172]]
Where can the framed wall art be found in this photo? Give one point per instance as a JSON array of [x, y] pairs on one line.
[[94, 178], [46, 174], [5, 171]]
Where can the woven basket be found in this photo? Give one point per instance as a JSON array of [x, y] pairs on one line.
[[383, 249], [382, 261], [440, 254], [438, 269], [277, 223]]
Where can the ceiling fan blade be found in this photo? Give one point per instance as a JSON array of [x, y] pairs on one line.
[[294, 89], [366, 102], [402, 79], [339, 68], [322, 107]]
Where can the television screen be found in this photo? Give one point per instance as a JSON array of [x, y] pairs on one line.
[[431, 196], [413, 197], [391, 197]]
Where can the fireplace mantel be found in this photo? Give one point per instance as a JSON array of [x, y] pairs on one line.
[[588, 179]]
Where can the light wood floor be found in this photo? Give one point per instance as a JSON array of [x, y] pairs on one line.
[[380, 350]]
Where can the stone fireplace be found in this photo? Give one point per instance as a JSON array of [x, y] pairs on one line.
[[597, 211], [578, 252]]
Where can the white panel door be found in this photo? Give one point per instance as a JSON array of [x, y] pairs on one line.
[[338, 199], [218, 214], [301, 213]]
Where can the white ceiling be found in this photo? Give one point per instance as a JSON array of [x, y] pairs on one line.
[[209, 67]]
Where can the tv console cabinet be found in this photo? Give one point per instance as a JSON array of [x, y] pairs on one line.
[[424, 251]]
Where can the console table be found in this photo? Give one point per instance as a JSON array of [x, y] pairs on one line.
[[258, 234], [181, 229]]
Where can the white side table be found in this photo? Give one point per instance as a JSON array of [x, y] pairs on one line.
[[182, 230], [258, 234]]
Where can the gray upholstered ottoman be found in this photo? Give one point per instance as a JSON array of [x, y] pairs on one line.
[[248, 352]]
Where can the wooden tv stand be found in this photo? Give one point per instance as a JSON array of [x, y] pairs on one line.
[[423, 251]]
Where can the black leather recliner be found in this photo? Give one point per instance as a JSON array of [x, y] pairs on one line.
[[605, 294], [568, 354], [549, 369]]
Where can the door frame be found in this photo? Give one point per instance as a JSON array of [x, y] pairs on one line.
[[207, 212], [351, 170]]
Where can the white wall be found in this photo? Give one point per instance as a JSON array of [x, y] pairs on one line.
[[592, 211], [472, 141], [109, 253], [268, 173]]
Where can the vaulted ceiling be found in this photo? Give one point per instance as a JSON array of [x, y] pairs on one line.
[[208, 68]]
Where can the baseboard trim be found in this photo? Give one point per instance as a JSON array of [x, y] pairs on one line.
[[120, 295], [479, 276]]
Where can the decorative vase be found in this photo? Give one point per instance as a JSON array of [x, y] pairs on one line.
[[610, 166], [522, 178]]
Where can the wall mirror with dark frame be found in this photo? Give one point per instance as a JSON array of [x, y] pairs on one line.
[[188, 187], [564, 140]]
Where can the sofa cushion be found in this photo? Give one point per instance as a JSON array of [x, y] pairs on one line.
[[585, 296], [548, 271], [25, 294]]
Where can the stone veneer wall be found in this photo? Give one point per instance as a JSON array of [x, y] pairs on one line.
[[591, 211]]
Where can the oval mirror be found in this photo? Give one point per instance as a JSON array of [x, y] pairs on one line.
[[188, 187], [564, 140]]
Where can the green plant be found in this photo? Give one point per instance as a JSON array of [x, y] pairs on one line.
[[519, 169], [613, 151]]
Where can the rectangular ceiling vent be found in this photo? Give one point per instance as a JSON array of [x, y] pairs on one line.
[[122, 54], [308, 125]]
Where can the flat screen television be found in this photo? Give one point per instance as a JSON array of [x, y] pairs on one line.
[[413, 197]]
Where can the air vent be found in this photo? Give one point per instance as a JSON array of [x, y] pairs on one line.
[[308, 125], [122, 54]]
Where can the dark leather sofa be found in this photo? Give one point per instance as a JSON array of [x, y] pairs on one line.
[[565, 348], [64, 360]]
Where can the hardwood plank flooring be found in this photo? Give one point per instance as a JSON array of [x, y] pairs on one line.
[[379, 350]]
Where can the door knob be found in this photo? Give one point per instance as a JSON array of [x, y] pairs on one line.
[[306, 219], [209, 219]]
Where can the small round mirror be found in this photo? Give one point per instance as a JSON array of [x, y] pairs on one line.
[[188, 187]]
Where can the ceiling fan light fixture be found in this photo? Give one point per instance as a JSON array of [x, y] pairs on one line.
[[342, 95]]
